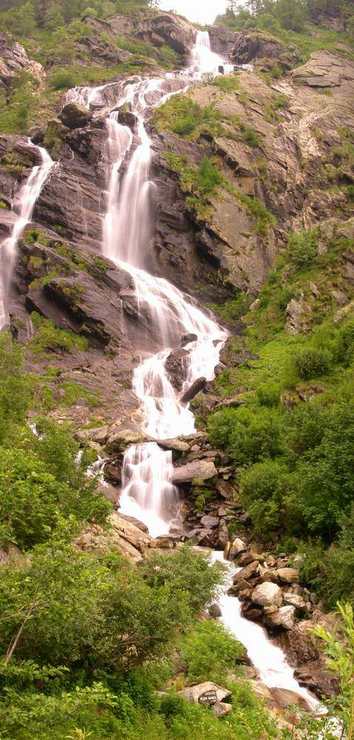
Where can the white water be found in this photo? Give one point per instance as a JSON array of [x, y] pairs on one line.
[[23, 207], [148, 492]]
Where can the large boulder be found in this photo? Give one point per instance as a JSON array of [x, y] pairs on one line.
[[14, 60], [177, 366], [74, 115], [254, 45], [207, 693], [267, 594], [288, 575], [167, 28], [197, 470], [283, 618], [124, 535]]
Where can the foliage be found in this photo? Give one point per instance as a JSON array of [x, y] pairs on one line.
[[340, 659], [209, 652], [181, 115], [199, 182], [312, 362], [302, 246]]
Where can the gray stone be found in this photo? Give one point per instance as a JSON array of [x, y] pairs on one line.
[[288, 575], [196, 470], [283, 617], [238, 546], [207, 693], [267, 594], [209, 521], [74, 115]]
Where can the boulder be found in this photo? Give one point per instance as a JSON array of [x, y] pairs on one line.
[[283, 618], [214, 611], [208, 521], [295, 600], [196, 470], [193, 390], [177, 366], [267, 594], [123, 536], [254, 45], [174, 444], [285, 698], [207, 693], [127, 118], [247, 572], [288, 575], [238, 546], [120, 439], [221, 709], [74, 115]]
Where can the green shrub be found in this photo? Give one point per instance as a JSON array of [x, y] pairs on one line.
[[247, 434], [227, 83], [209, 652], [16, 388], [312, 362], [302, 248], [268, 394], [264, 488]]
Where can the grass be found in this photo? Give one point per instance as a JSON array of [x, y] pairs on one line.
[[49, 338], [198, 182], [182, 116]]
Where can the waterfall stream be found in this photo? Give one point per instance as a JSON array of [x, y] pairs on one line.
[[148, 492], [23, 206]]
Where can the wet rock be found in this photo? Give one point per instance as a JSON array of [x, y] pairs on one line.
[[288, 575], [74, 115], [188, 338], [267, 594], [197, 470], [215, 611], [126, 118], [177, 366], [193, 390], [283, 618], [167, 28], [207, 693]]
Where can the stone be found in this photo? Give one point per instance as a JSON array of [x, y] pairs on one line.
[[187, 339], [283, 618], [215, 611], [177, 366], [196, 470], [207, 693], [221, 708], [126, 118], [74, 115], [288, 575], [193, 390], [123, 536], [295, 600], [247, 572], [267, 594], [237, 547], [209, 521], [174, 444], [119, 440], [285, 698]]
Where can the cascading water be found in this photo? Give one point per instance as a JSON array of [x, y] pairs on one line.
[[23, 208], [148, 492]]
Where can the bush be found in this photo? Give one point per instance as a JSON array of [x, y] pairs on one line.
[[264, 489], [268, 394], [248, 435], [302, 247], [16, 388], [312, 363], [209, 651]]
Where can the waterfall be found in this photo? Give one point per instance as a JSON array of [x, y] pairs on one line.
[[147, 489], [23, 208]]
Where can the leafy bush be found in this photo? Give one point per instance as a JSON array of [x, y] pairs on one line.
[[268, 394], [248, 435], [312, 362], [16, 388], [264, 490], [209, 652], [302, 246]]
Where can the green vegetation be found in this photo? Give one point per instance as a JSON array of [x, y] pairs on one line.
[[299, 24], [200, 183], [184, 117], [49, 338], [291, 442]]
